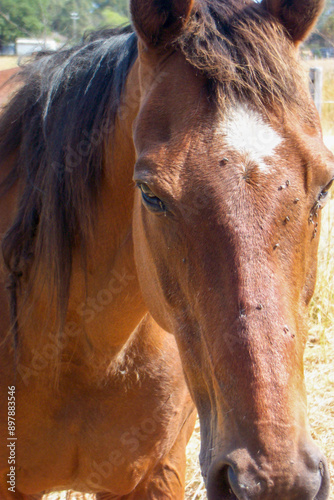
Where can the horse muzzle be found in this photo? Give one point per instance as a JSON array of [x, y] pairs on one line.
[[238, 476]]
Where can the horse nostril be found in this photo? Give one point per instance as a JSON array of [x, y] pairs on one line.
[[220, 483], [308, 479], [323, 492], [315, 477], [235, 486]]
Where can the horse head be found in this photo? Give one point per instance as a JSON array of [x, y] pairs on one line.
[[232, 174]]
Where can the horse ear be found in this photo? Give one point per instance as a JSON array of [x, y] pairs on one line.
[[158, 22], [297, 16]]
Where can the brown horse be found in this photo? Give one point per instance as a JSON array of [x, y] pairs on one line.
[[205, 110]]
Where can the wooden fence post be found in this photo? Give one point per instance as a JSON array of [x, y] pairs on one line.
[[316, 80]]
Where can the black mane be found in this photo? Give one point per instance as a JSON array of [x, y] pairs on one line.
[[55, 128]]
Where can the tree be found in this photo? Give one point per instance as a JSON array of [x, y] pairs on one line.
[[112, 18], [40, 18], [327, 30], [323, 35], [62, 22], [326, 24], [24, 16], [113, 12], [119, 6]]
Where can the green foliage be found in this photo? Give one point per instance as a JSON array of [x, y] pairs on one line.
[[112, 18], [119, 6], [24, 14], [324, 34], [41, 18], [327, 29]]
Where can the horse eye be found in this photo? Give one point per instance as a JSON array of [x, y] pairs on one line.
[[324, 192], [151, 201]]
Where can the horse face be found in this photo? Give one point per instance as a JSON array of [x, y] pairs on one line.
[[226, 225]]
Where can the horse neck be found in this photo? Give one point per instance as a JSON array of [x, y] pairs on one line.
[[105, 303], [113, 306]]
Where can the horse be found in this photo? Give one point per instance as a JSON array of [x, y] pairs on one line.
[[161, 195], [5, 80]]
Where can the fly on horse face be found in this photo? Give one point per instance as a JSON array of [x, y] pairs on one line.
[[160, 211]]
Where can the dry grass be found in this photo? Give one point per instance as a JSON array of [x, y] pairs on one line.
[[8, 62], [319, 356]]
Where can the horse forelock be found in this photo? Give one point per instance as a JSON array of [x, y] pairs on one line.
[[246, 55]]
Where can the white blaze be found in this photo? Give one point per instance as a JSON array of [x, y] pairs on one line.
[[246, 132]]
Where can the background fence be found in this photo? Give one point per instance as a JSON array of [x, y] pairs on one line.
[[316, 79]]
